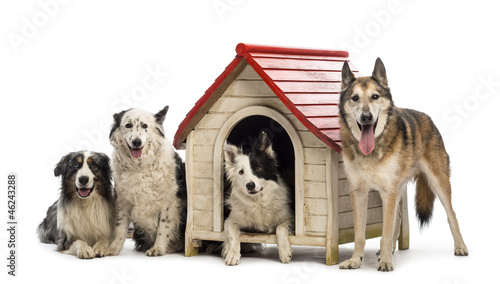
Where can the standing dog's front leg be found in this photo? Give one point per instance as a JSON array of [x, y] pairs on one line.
[[390, 200], [231, 247], [284, 248], [359, 200]]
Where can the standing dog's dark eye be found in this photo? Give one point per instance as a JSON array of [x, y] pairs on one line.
[[355, 98], [128, 125], [145, 126], [241, 172], [375, 97]]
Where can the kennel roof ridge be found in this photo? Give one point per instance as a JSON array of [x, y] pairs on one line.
[[307, 81]]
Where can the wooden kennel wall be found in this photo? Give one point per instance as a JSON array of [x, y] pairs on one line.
[[299, 89]]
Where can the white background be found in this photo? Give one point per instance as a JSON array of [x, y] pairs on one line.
[[65, 68]]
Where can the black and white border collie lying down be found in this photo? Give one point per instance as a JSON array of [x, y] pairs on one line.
[[259, 199], [82, 221], [150, 184]]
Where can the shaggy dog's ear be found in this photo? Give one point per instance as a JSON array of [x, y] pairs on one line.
[[264, 145], [160, 116], [62, 166], [347, 76], [103, 162], [379, 74], [117, 117], [230, 153]]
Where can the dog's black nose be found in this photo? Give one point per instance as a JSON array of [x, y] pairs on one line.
[[136, 143], [367, 118], [251, 185], [83, 180]]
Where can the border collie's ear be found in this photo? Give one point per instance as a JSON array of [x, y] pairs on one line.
[[230, 152], [264, 145], [160, 116], [117, 117], [62, 165], [347, 76], [379, 73]]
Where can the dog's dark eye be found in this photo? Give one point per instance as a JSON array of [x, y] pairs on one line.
[[145, 126], [375, 97], [241, 172], [128, 125], [355, 98], [75, 164], [258, 169]]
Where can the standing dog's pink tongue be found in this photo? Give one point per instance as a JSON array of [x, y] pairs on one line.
[[136, 152], [367, 141]]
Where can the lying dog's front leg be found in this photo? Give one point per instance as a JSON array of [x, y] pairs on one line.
[[168, 224], [284, 248], [101, 247], [81, 249], [231, 247]]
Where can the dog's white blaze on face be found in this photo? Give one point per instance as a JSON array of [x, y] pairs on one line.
[[85, 171], [244, 175]]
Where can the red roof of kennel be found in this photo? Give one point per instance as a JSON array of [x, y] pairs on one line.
[[307, 81]]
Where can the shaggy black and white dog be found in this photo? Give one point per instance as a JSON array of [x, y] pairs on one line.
[[259, 199], [82, 221], [150, 184]]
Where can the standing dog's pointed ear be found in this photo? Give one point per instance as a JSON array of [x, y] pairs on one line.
[[230, 153], [160, 116], [264, 145], [347, 76], [379, 73], [62, 166]]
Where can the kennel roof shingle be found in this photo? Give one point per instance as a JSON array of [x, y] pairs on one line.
[[307, 81]]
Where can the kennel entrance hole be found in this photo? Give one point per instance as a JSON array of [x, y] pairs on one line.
[[247, 131]]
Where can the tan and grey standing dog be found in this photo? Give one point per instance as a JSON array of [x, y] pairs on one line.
[[384, 147]]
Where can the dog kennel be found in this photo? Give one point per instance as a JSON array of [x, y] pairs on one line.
[[293, 93]]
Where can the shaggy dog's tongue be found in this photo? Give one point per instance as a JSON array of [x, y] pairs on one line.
[[367, 141], [84, 192], [136, 152]]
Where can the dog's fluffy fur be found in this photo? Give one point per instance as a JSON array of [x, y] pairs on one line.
[[259, 200], [384, 147], [150, 184], [82, 221]]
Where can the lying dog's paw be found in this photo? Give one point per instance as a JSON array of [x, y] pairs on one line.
[[155, 252], [353, 263], [101, 251], [85, 252], [232, 258], [285, 254], [461, 251]]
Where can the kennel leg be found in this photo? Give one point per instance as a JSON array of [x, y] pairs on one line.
[[404, 234], [191, 246]]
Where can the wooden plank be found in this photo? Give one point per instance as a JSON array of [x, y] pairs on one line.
[[213, 120], [203, 153], [274, 63], [298, 56], [313, 98], [316, 223], [301, 75], [315, 155], [326, 122], [347, 218], [202, 202], [205, 136], [202, 186], [314, 172], [236, 103], [315, 189], [319, 110], [296, 123], [334, 134], [374, 200], [315, 206], [332, 227], [404, 233], [260, 238], [311, 140], [342, 171], [307, 87], [189, 245], [372, 231], [249, 88], [248, 73], [202, 218], [344, 187], [203, 169]]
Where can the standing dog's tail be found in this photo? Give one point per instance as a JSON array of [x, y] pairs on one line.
[[424, 200]]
